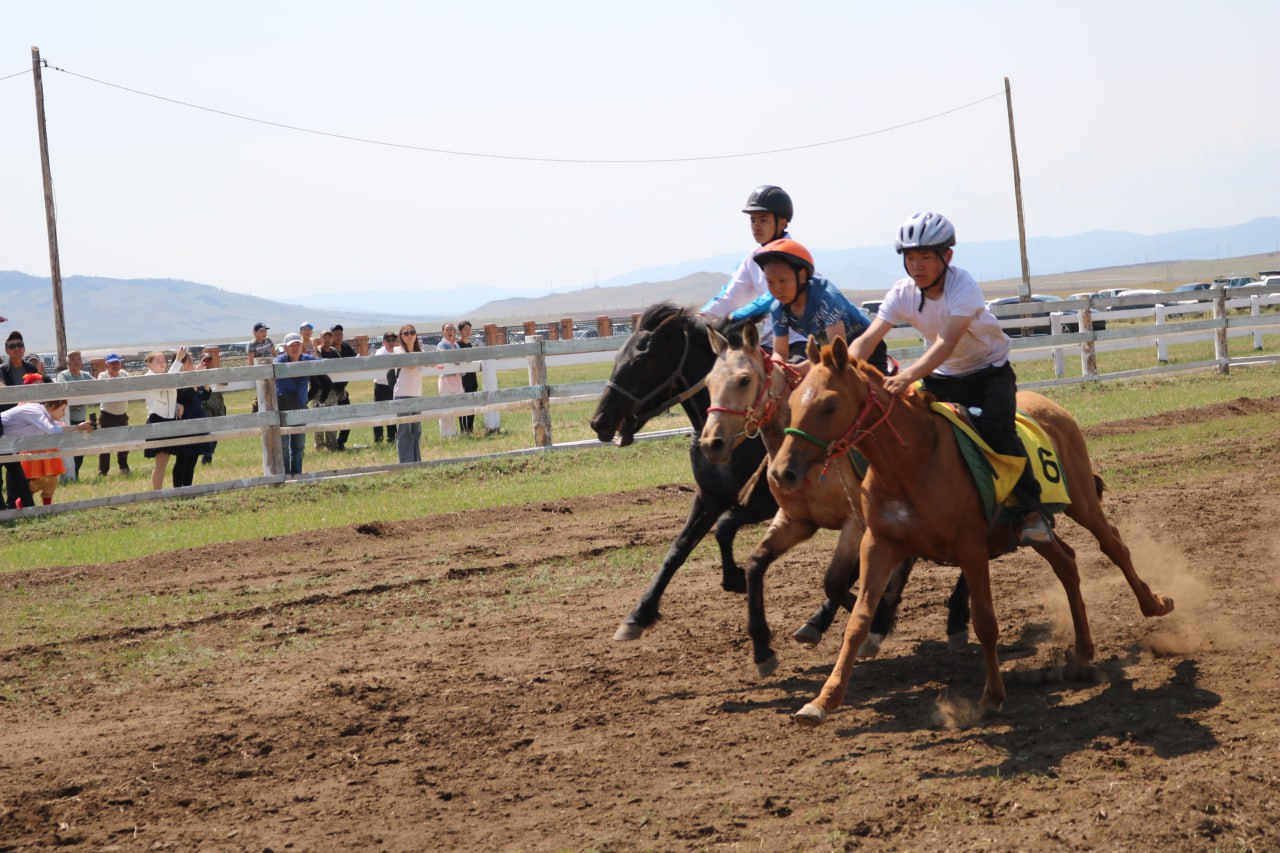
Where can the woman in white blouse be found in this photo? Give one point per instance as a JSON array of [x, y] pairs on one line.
[[409, 384], [162, 405]]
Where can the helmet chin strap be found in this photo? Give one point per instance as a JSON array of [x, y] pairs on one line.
[[936, 282]]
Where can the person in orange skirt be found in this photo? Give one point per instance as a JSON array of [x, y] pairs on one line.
[[40, 419]]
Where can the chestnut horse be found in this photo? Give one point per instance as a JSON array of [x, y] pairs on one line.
[[919, 498], [749, 397]]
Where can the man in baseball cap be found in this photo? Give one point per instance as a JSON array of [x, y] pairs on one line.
[[261, 347]]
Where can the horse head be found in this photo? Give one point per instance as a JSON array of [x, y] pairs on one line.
[[737, 383], [653, 369], [825, 411]]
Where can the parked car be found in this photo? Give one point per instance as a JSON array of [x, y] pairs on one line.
[[1235, 281], [872, 307], [1140, 292], [1067, 327], [1195, 285]]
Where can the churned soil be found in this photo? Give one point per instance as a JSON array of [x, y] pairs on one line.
[[451, 683]]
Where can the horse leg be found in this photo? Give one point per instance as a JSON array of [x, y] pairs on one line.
[[958, 615], [1063, 559], [700, 519], [886, 618], [783, 535], [877, 560], [1087, 512], [977, 573], [732, 578]]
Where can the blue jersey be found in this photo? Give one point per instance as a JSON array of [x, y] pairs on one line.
[[824, 306]]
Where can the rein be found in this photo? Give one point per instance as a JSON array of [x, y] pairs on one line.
[[677, 375], [856, 431], [759, 413]]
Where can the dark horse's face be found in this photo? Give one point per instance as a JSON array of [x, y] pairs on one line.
[[642, 376]]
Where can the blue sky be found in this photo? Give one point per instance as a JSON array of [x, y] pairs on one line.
[[1135, 116]]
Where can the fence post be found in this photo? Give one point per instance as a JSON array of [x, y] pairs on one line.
[[604, 326], [1088, 350], [635, 323], [542, 402], [553, 332], [530, 328], [566, 328], [489, 382], [1255, 309], [1162, 346], [1221, 353], [272, 453], [491, 335], [1055, 328]]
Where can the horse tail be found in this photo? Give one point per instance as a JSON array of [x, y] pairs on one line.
[[1099, 485]]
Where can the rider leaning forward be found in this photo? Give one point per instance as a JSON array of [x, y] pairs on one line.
[[746, 293], [807, 304], [967, 360]]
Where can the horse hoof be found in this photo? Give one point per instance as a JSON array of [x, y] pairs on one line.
[[734, 581], [810, 716], [871, 645], [958, 641], [628, 631], [767, 667], [807, 636]]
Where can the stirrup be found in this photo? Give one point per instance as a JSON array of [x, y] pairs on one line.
[[1035, 530]]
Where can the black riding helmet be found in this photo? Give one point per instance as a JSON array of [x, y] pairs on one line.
[[767, 198]]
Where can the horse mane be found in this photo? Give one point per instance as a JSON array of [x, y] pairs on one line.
[[872, 372], [660, 312]]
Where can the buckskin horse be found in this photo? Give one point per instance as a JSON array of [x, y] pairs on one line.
[[919, 498], [663, 364], [749, 397]]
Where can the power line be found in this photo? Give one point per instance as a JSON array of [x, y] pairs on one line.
[[16, 74], [575, 160]]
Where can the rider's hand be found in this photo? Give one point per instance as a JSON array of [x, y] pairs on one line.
[[898, 384]]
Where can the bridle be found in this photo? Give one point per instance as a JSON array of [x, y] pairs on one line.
[[677, 375], [856, 431], [760, 412]]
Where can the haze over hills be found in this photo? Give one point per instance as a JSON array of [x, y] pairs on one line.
[[103, 312]]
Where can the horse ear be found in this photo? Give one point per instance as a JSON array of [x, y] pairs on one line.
[[718, 341], [840, 354], [751, 336], [812, 350]]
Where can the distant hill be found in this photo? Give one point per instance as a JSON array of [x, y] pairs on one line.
[[693, 290], [109, 312]]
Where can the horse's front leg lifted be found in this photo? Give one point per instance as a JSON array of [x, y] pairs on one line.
[[732, 579]]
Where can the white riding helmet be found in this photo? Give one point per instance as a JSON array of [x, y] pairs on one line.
[[925, 231]]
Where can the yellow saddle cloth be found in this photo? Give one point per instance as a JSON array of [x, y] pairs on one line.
[[996, 474]]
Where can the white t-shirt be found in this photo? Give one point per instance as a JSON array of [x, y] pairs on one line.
[[984, 344], [384, 350], [409, 382]]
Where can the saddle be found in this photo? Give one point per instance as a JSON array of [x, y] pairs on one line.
[[995, 474]]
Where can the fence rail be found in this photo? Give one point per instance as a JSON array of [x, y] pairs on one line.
[[536, 355]]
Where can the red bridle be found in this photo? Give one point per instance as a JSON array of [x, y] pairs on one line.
[[765, 403], [856, 431]]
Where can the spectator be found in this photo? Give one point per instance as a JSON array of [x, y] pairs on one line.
[[78, 412], [113, 414], [470, 382], [14, 371], [408, 383], [345, 350], [261, 349], [305, 331], [162, 407], [327, 396], [450, 383], [382, 387], [213, 404], [185, 456], [33, 418], [292, 394]]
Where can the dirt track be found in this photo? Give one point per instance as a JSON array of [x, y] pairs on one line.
[[450, 683]]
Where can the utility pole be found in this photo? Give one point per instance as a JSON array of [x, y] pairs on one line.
[[1024, 289], [51, 222]]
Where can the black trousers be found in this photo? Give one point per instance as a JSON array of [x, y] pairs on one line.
[[19, 487], [184, 468], [343, 400], [106, 419], [382, 392], [994, 391]]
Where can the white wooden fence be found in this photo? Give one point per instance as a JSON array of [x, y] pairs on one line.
[[1212, 319]]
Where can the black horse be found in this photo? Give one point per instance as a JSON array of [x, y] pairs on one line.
[[665, 363]]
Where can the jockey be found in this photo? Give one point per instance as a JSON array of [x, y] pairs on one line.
[[807, 304], [746, 295], [967, 360]]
